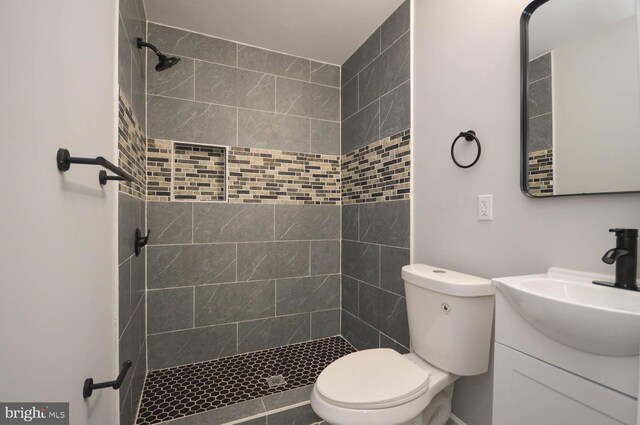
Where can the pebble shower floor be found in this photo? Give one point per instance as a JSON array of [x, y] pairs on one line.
[[195, 388]]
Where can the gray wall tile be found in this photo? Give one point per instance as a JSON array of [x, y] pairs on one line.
[[197, 46], [350, 295], [325, 257], [396, 25], [349, 98], [395, 111], [188, 265], [169, 310], [301, 222], [273, 332], [540, 67], [270, 260], [366, 53], [124, 295], [361, 129], [324, 73], [391, 262], [186, 121], [234, 87], [350, 222], [540, 133], [272, 62], [232, 222], [173, 82], [386, 72], [169, 222], [358, 333], [234, 302], [191, 346], [226, 414], [306, 294], [386, 342], [361, 261], [384, 311], [287, 398], [324, 102], [125, 60], [385, 223], [273, 131], [134, 18], [138, 278], [128, 220], [325, 323], [540, 99], [325, 137], [303, 415], [307, 99]]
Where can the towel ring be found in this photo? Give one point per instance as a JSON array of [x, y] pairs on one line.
[[469, 136]]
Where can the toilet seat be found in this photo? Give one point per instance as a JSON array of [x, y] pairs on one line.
[[372, 379]]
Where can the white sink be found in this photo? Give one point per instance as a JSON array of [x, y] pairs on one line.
[[566, 306]]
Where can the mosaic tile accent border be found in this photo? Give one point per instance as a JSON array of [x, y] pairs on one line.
[[280, 177], [159, 157], [132, 148], [198, 172], [380, 171], [195, 388], [541, 172]]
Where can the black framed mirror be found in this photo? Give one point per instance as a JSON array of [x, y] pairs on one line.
[[580, 98]]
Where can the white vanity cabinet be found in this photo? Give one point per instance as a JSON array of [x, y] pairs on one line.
[[528, 391], [540, 381]]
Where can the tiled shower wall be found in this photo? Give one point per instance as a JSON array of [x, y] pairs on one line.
[[131, 205], [540, 126], [262, 269], [375, 186]]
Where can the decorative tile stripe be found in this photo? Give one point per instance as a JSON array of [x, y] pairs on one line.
[[132, 147], [195, 388], [159, 156], [198, 172], [279, 177], [379, 171], [541, 172]]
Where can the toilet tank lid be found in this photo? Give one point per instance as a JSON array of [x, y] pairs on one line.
[[446, 281]]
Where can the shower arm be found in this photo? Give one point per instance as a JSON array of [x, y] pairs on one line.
[[142, 43]]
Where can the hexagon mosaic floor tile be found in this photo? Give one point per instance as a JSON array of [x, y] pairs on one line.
[[195, 388]]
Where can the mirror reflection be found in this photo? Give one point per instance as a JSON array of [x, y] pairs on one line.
[[582, 111]]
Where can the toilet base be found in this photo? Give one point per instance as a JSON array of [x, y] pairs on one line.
[[436, 412]]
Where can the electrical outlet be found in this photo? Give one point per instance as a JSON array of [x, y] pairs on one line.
[[485, 207]]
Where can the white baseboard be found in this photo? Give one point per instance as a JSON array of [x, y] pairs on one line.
[[453, 418]]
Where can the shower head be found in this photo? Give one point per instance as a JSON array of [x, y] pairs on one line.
[[164, 61]]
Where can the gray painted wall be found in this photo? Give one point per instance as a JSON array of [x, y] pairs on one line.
[[232, 278], [527, 235], [131, 215], [375, 236]]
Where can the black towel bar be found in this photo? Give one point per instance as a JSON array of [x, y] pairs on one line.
[[64, 161]]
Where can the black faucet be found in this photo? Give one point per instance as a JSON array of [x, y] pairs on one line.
[[625, 255]]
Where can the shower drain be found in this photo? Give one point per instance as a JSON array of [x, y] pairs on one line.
[[276, 381]]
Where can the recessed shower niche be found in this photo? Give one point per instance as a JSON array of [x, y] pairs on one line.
[[179, 171]]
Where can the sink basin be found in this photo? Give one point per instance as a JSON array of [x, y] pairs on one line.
[[566, 306]]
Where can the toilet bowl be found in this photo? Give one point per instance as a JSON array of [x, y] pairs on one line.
[[450, 318], [380, 387]]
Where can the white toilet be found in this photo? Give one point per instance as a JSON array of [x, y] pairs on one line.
[[450, 318]]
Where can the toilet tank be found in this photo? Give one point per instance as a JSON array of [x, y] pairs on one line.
[[450, 318]]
